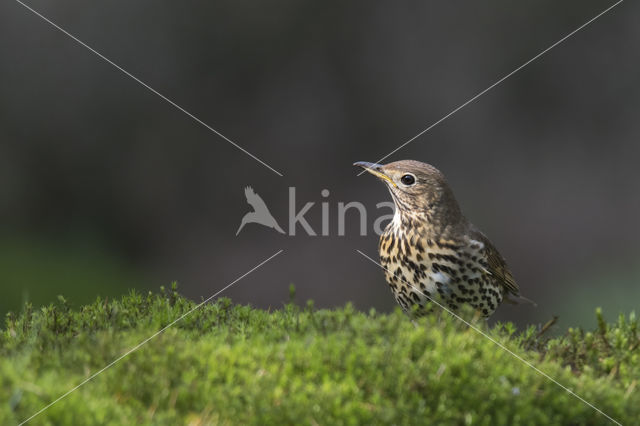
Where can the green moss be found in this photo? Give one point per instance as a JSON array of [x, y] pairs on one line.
[[230, 364]]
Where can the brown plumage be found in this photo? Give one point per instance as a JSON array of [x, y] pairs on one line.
[[431, 251]]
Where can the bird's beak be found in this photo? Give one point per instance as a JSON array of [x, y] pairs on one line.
[[376, 170]]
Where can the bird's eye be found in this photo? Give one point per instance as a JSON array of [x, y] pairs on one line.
[[408, 179]]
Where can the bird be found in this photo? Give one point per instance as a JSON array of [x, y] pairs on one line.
[[431, 252], [260, 213]]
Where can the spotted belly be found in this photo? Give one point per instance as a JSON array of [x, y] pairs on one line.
[[450, 275]]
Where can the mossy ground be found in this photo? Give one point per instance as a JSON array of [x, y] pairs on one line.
[[230, 364]]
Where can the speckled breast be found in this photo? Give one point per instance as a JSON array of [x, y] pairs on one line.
[[420, 269]]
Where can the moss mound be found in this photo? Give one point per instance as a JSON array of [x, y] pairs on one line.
[[230, 364]]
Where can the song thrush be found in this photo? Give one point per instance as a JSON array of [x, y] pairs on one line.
[[431, 251]]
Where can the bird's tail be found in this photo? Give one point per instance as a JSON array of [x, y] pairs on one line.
[[277, 227], [519, 300]]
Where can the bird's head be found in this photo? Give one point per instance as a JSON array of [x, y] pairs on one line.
[[416, 188]]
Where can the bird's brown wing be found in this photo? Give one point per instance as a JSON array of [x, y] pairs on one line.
[[497, 266]]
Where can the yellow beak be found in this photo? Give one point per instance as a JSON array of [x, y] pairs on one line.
[[376, 170]]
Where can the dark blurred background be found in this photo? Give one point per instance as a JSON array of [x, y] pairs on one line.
[[106, 187]]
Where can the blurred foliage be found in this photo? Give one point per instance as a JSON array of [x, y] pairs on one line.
[[232, 364], [617, 280], [36, 270]]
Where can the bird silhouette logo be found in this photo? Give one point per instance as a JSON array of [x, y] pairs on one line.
[[260, 213]]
